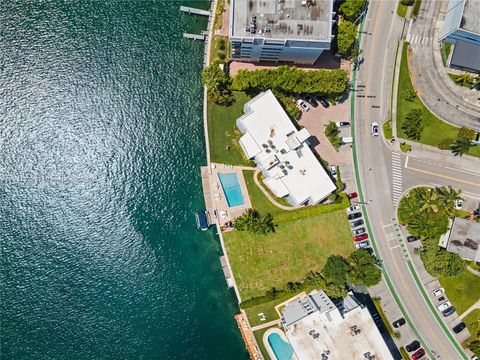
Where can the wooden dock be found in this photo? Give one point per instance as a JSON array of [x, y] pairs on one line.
[[201, 37], [207, 189], [195, 11]]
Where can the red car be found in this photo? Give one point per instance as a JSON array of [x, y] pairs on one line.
[[352, 195], [420, 353], [360, 237]]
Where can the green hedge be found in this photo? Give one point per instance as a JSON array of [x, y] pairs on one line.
[[291, 80], [416, 7]]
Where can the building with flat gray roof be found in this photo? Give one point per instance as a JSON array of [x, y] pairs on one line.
[[295, 31], [461, 27], [464, 239], [317, 328]]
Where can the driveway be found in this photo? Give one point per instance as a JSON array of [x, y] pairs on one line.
[[442, 97], [315, 120]]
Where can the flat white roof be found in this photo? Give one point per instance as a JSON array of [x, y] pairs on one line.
[[348, 337], [283, 156]]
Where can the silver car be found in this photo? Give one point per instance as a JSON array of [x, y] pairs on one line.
[[359, 231]]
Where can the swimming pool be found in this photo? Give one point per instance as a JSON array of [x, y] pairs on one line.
[[282, 349], [231, 188]]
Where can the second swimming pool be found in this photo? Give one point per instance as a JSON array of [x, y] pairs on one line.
[[282, 349], [231, 189]]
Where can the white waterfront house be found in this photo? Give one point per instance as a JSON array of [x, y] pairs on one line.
[[282, 152], [294, 31], [318, 328]]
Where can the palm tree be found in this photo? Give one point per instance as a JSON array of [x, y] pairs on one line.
[[464, 79], [429, 200], [460, 146]]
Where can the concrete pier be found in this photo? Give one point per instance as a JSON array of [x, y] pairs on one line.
[[195, 11], [201, 37]]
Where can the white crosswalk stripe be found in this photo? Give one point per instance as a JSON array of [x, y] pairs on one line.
[[396, 177], [418, 39]]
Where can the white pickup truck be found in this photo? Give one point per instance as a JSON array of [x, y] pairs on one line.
[[444, 306]]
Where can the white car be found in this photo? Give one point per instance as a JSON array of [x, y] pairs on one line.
[[333, 171], [353, 208], [342, 124], [303, 105], [375, 129], [458, 204], [444, 306], [362, 244], [438, 292]]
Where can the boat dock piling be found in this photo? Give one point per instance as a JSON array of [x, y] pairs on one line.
[[195, 11]]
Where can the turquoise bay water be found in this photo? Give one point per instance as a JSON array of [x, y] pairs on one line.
[[101, 139]]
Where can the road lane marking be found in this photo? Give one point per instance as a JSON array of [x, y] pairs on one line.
[[471, 172], [445, 177], [406, 161]]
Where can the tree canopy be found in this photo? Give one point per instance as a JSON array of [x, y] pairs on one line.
[[335, 270], [346, 36], [413, 124], [291, 80], [252, 221], [363, 269], [460, 146], [217, 83], [351, 9]]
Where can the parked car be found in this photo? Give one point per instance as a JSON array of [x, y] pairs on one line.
[[449, 311], [303, 105], [444, 306], [362, 244], [438, 292], [362, 237], [354, 216], [333, 171], [398, 323], [458, 204], [311, 100], [375, 129], [420, 353], [353, 208], [324, 102], [441, 298], [414, 345], [458, 328], [412, 238], [359, 231], [354, 224], [343, 124], [352, 195]]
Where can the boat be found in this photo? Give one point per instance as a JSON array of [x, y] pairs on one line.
[[201, 218]]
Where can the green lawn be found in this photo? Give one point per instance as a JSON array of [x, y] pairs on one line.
[[223, 133], [259, 337], [268, 308], [435, 130], [259, 200], [387, 129], [462, 290], [472, 321], [302, 242], [402, 10]]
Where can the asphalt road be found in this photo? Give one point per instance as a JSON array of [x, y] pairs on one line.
[[382, 30], [434, 87]]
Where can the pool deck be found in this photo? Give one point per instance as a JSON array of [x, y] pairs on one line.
[[215, 200], [216, 203]]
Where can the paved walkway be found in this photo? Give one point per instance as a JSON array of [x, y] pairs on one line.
[[268, 324], [265, 192], [470, 309]]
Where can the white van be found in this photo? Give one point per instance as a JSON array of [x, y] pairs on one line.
[[347, 140]]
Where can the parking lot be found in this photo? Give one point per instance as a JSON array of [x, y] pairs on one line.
[[315, 120]]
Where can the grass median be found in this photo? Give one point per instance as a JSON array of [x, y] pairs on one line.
[[435, 130]]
